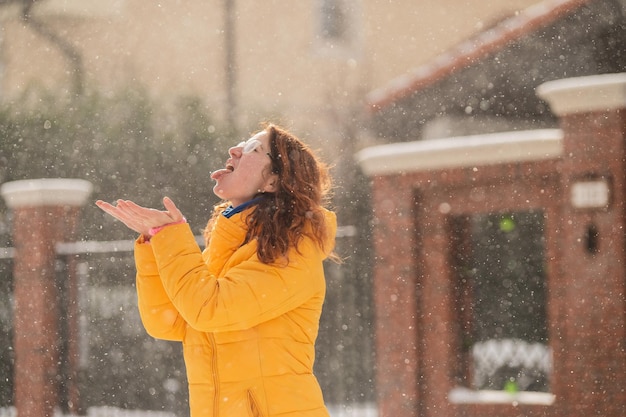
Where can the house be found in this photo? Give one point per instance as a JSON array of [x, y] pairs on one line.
[[498, 197]]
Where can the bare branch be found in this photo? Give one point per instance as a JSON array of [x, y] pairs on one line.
[[72, 53]]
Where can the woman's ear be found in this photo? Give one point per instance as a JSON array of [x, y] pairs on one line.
[[271, 184]]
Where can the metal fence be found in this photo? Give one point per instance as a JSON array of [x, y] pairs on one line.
[[512, 365]]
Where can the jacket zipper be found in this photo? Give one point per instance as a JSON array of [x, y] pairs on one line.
[[215, 376]]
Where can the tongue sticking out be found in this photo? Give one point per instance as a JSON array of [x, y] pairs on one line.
[[216, 175]]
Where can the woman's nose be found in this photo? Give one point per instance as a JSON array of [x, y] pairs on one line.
[[235, 151]]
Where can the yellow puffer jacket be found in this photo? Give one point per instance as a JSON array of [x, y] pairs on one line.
[[248, 329]]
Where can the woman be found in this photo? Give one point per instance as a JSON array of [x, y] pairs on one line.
[[247, 308]]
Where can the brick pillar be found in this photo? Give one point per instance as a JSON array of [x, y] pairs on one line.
[[45, 212], [589, 288], [395, 299]]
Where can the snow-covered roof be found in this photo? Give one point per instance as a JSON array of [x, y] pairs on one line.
[[473, 49], [466, 151]]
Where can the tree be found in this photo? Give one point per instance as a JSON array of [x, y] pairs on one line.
[[123, 145]]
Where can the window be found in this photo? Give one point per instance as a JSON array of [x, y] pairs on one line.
[[501, 301], [333, 20], [336, 26]]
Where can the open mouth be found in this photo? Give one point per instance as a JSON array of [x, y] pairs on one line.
[[216, 175]]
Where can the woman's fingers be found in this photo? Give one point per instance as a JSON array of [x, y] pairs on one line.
[[121, 212], [109, 208], [149, 215], [141, 219], [175, 214]]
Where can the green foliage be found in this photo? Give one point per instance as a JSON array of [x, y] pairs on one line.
[[127, 145]]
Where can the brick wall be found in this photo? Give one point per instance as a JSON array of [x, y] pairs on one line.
[[416, 342], [591, 314], [36, 337]]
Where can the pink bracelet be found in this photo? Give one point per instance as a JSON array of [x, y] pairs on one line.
[[154, 230]]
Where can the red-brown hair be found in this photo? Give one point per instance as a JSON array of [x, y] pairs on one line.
[[296, 208]]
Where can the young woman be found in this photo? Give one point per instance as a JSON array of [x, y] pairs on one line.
[[247, 308]]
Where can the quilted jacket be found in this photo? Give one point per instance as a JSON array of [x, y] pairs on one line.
[[248, 329]]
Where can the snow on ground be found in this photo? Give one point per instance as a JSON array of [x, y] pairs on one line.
[[344, 410]]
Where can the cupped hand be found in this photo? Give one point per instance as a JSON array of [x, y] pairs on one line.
[[142, 219]]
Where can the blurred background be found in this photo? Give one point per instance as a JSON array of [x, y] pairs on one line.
[[143, 99]]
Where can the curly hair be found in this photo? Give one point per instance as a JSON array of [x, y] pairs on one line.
[[296, 209]]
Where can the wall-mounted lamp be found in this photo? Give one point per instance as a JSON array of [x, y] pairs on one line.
[[590, 194]]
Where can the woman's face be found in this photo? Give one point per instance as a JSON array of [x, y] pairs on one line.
[[247, 172]]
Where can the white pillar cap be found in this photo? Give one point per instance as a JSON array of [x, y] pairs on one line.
[[603, 92], [46, 192]]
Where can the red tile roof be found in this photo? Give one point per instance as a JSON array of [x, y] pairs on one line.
[[473, 49]]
